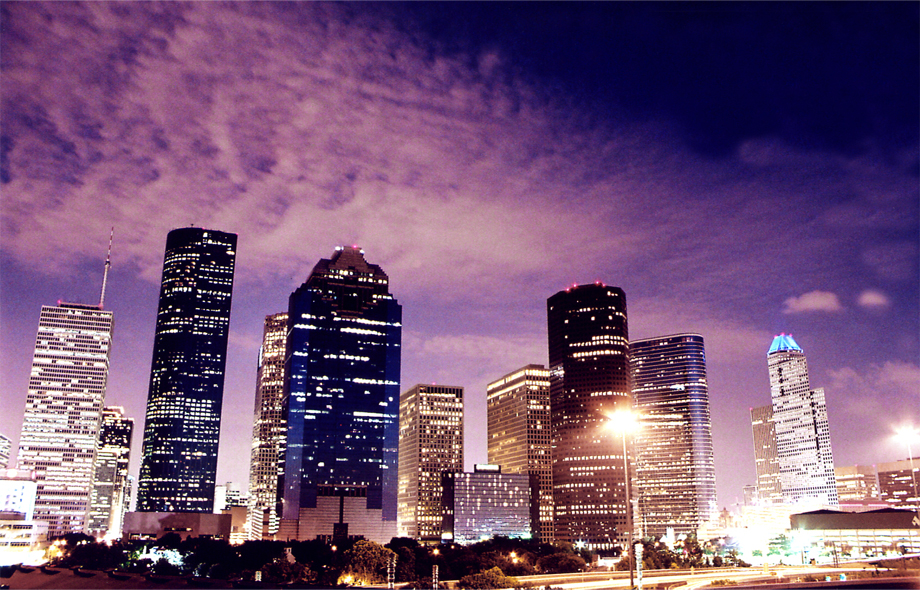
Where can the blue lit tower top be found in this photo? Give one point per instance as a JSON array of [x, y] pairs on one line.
[[341, 396], [783, 343]]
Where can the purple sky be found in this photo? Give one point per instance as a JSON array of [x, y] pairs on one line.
[[740, 170]]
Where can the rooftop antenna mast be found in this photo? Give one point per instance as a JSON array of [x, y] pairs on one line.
[[108, 264]]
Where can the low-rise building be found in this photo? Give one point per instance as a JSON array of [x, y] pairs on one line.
[[153, 525], [476, 506], [875, 533]]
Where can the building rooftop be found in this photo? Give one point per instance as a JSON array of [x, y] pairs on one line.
[[782, 343]]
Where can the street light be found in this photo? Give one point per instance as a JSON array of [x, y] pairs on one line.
[[624, 421], [908, 434]]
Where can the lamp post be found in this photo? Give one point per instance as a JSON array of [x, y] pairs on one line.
[[625, 421], [909, 434]]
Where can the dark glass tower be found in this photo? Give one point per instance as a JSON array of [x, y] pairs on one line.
[[675, 474], [341, 397], [179, 454], [589, 380]]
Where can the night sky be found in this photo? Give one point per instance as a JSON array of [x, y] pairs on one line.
[[740, 170]]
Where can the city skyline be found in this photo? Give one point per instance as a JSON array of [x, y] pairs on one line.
[[764, 182]]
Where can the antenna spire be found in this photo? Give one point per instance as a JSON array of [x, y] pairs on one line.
[[108, 264]]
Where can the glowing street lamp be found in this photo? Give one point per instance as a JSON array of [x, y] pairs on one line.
[[907, 434], [624, 421]]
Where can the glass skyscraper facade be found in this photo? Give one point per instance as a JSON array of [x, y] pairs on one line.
[[63, 412], [589, 380], [520, 434], [110, 483], [341, 396], [430, 444], [268, 431], [182, 428], [675, 472], [803, 440]]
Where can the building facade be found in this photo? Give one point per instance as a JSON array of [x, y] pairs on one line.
[[675, 472], [269, 430], [766, 461], [341, 397], [6, 448], [182, 427], [63, 412], [899, 482], [430, 444], [110, 483], [520, 434], [589, 380], [477, 506], [856, 484], [803, 440]]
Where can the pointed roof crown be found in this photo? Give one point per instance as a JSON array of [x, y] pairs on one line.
[[783, 343]]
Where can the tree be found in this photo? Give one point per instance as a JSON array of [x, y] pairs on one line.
[[282, 571], [561, 563], [492, 578], [367, 562]]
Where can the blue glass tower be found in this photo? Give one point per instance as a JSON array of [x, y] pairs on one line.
[[341, 400], [675, 472]]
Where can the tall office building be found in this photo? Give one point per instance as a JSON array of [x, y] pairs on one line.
[[589, 380], [803, 440], [70, 370], [110, 482], [520, 434], [766, 460], [430, 445], [182, 428], [341, 402], [268, 431], [675, 472]]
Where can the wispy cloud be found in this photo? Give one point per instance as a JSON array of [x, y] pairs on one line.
[[813, 301]]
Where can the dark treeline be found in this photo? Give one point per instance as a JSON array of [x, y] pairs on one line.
[[319, 564]]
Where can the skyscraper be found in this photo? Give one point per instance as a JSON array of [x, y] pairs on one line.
[[268, 430], [110, 482], [341, 401], [766, 461], [520, 434], [70, 370], [182, 428], [675, 472], [430, 444], [803, 440], [589, 380]]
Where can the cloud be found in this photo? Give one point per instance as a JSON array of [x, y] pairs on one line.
[[813, 301], [873, 299], [878, 393]]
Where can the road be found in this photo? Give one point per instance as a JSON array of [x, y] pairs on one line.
[[686, 579]]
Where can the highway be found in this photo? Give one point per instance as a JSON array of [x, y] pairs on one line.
[[684, 579]]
